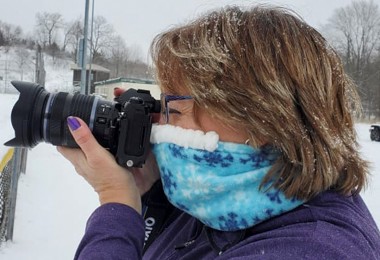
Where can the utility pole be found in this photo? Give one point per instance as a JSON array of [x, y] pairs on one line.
[[91, 38], [6, 72], [40, 73], [83, 72]]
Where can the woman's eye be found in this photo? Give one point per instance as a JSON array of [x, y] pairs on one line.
[[173, 111]]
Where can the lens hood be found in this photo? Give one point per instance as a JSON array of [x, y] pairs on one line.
[[26, 114]]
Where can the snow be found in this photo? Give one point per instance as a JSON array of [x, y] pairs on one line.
[[6, 103], [59, 76], [196, 139], [369, 150], [54, 203]]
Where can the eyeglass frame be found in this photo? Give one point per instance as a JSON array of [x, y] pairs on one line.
[[165, 99]]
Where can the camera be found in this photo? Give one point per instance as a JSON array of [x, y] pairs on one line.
[[122, 126]]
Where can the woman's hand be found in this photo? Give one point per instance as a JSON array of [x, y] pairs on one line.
[[112, 182], [146, 176]]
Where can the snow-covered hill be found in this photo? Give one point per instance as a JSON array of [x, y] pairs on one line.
[[17, 63]]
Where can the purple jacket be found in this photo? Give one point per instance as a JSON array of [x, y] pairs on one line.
[[329, 226]]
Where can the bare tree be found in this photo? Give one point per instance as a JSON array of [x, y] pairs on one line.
[[356, 28], [118, 56], [10, 34], [126, 61], [22, 59], [359, 26], [2, 39], [75, 34], [67, 35], [47, 25], [135, 53], [102, 37]]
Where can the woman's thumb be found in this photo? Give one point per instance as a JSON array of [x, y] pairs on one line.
[[82, 135]]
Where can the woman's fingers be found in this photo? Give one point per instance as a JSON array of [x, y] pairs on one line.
[[82, 135], [112, 182], [75, 156], [86, 141]]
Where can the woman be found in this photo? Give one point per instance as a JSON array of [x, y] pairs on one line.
[[255, 149]]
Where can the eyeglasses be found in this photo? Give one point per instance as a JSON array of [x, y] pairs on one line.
[[165, 109]]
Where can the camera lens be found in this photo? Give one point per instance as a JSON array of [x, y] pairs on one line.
[[41, 116], [122, 127]]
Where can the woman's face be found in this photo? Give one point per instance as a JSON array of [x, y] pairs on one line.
[[184, 117]]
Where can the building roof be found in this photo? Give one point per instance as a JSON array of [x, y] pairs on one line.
[[94, 67], [130, 80]]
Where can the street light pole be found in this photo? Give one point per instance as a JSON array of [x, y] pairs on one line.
[[91, 51], [84, 54]]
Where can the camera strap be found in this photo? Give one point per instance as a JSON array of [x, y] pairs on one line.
[[156, 212]]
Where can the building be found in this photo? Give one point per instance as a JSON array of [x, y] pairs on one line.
[[105, 88], [98, 73]]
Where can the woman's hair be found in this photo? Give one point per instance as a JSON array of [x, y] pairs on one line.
[[265, 70]]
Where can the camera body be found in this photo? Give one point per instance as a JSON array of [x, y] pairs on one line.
[[133, 126], [123, 126]]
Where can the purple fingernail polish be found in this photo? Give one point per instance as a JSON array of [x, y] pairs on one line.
[[73, 123]]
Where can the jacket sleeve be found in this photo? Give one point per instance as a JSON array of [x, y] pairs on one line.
[[114, 231]]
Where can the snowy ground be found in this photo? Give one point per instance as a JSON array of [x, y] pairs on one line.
[[370, 151], [54, 202]]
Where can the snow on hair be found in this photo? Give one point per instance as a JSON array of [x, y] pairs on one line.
[[264, 70]]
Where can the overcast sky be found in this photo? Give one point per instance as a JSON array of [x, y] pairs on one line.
[[138, 21]]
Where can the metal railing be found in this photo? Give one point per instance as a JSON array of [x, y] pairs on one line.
[[11, 166]]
